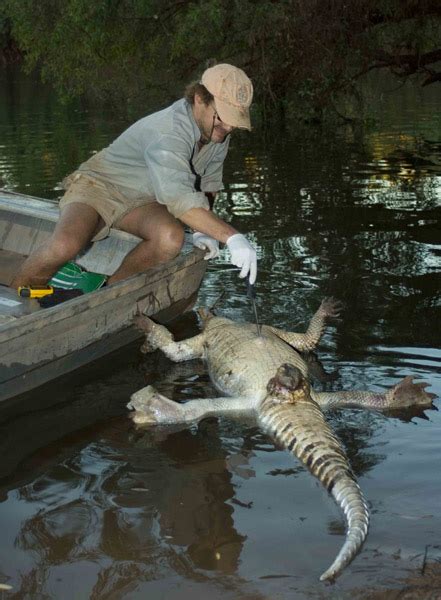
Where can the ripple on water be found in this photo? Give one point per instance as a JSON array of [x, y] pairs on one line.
[[216, 510]]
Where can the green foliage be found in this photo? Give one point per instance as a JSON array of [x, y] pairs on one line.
[[8, 50], [301, 54]]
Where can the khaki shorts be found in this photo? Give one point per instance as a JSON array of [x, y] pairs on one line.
[[108, 201]]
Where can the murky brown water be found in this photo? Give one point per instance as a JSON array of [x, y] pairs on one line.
[[92, 508]]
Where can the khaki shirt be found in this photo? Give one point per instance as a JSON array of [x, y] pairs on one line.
[[151, 161]]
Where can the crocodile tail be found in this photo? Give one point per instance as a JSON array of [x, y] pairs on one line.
[[302, 429], [348, 496]]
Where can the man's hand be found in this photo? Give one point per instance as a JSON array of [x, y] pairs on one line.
[[205, 242], [243, 255]]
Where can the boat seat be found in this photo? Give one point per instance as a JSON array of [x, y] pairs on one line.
[[10, 262]]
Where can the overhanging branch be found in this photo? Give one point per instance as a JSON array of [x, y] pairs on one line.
[[404, 65]]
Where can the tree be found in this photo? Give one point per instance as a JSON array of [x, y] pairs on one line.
[[9, 52], [301, 54]]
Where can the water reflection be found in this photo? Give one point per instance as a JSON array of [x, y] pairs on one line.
[[195, 512], [140, 507], [42, 140], [93, 508], [135, 505]]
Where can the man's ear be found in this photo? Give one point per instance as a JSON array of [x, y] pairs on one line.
[[198, 99]]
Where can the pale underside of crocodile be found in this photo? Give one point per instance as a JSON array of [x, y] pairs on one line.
[[266, 375]]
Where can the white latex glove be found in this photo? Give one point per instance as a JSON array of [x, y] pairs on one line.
[[205, 242], [243, 255]]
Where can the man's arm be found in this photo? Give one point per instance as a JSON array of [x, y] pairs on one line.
[[207, 222], [243, 254]]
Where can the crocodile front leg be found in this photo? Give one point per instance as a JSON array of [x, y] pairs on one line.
[[152, 408], [305, 342], [159, 337], [405, 394]]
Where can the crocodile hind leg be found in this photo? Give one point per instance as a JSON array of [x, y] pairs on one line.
[[152, 408], [159, 337], [405, 394], [305, 342]]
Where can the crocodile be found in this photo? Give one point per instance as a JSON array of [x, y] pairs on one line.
[[262, 371]]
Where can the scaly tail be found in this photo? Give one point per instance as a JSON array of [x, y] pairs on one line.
[[301, 428]]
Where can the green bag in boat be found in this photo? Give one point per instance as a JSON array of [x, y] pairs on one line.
[[72, 277]]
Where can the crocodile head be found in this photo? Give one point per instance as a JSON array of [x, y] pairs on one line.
[[288, 385]]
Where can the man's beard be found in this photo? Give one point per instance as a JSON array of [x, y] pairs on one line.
[[207, 138]]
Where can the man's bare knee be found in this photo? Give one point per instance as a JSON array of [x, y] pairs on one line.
[[77, 225], [78, 221], [171, 239], [63, 248]]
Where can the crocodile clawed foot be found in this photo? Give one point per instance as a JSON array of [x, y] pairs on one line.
[[150, 408], [156, 335], [143, 323], [331, 307], [407, 393]]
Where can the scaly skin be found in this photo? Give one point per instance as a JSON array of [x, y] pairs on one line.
[[295, 420], [241, 365], [240, 362]]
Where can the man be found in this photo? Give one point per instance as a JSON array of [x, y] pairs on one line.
[[153, 178]]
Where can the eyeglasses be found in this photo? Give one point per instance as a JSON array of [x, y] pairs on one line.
[[216, 117]]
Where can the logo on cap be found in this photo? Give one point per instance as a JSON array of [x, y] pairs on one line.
[[242, 95]]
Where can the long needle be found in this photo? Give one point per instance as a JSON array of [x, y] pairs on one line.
[[251, 294]]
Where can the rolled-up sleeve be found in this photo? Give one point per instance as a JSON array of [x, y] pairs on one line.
[[167, 158]]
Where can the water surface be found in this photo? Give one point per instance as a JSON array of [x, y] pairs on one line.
[[90, 507]]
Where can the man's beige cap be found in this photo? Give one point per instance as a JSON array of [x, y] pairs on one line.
[[233, 93]]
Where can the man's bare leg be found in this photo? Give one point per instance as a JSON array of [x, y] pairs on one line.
[[163, 237], [76, 226]]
